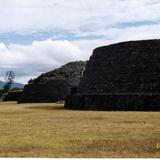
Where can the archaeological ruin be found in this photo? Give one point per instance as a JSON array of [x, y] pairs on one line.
[[53, 86], [123, 76], [13, 96]]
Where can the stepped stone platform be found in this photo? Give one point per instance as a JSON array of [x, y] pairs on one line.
[[123, 76], [53, 86]]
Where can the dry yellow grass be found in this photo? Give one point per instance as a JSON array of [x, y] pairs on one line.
[[48, 130]]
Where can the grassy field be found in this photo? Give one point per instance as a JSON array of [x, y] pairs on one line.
[[48, 130]]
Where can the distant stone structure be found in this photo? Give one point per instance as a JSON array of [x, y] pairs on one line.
[[53, 86], [13, 96], [123, 76]]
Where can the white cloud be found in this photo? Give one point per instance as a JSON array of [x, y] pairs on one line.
[[35, 58], [92, 23], [39, 15], [48, 51]]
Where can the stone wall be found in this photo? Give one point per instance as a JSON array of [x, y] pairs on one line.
[[53, 86], [13, 96], [114, 102], [117, 74]]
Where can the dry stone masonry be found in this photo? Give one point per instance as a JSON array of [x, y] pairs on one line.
[[123, 76], [13, 96], [53, 86]]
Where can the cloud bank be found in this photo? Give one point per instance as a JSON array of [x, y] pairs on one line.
[[73, 29], [39, 56], [32, 16]]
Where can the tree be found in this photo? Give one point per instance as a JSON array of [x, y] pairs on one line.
[[9, 80]]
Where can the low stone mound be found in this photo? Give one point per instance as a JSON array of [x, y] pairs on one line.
[[53, 86], [13, 96], [123, 76]]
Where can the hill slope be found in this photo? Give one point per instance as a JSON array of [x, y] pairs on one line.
[[15, 85]]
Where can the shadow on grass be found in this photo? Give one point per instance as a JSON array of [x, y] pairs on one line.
[[47, 107]]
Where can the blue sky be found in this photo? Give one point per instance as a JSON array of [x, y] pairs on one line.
[[9, 38], [37, 36]]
